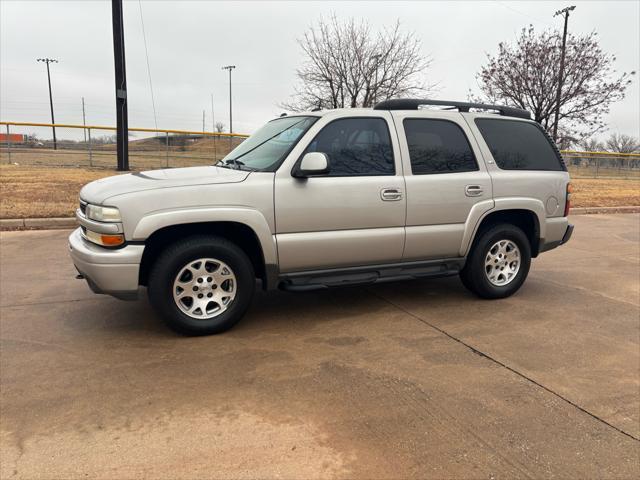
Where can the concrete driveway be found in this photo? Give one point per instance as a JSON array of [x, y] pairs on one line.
[[406, 380]]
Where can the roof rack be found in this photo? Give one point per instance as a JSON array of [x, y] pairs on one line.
[[415, 103]]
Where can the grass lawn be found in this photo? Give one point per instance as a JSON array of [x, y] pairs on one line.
[[53, 192]]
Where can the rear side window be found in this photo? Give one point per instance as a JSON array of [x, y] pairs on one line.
[[519, 145], [356, 147], [438, 146]]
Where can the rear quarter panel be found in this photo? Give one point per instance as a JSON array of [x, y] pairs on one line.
[[547, 187], [542, 192]]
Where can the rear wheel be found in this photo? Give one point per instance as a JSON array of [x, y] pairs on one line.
[[498, 263], [201, 285]]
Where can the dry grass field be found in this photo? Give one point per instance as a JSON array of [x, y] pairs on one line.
[[27, 191]]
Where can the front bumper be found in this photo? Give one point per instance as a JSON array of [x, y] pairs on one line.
[[111, 271]]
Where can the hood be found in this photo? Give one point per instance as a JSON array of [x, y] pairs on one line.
[[100, 190]]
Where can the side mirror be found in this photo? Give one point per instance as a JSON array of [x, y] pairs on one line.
[[313, 163]]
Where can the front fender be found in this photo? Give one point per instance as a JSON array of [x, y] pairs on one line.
[[250, 217]]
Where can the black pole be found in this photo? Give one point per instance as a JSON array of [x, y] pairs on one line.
[[53, 121], [122, 130], [230, 106], [565, 12]]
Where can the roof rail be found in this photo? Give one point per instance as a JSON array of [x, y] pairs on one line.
[[414, 104]]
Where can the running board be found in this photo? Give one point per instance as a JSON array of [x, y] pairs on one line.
[[319, 279]]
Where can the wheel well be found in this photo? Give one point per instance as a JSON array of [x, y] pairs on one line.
[[524, 219], [238, 233]]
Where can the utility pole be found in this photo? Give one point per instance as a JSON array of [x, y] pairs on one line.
[[122, 121], [203, 124], [53, 121], [565, 11], [84, 122], [230, 67]]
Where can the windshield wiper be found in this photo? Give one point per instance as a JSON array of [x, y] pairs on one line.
[[235, 164]]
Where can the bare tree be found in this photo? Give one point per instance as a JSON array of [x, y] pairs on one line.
[[219, 127], [621, 143], [590, 144], [347, 65], [526, 75]]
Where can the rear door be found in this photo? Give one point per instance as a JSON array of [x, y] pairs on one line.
[[446, 182]]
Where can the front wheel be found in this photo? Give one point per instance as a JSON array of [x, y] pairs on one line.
[[498, 263], [201, 285]]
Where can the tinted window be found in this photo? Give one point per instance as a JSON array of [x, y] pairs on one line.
[[438, 146], [356, 146], [519, 145]]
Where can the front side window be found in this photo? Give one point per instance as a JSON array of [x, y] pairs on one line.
[[356, 146], [519, 145], [265, 149], [438, 146]]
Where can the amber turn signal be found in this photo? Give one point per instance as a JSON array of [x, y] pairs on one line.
[[104, 240], [112, 240]]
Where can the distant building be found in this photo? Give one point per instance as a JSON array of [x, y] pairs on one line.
[[12, 138]]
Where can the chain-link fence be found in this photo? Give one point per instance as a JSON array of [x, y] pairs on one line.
[[602, 164], [95, 146]]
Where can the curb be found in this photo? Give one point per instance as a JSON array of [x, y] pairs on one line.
[[37, 223], [596, 210], [70, 222]]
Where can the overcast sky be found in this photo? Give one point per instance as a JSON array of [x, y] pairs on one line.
[[189, 42]]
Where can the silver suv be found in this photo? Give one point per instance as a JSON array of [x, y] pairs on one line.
[[330, 198]]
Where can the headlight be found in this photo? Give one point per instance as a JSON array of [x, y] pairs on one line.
[[103, 214]]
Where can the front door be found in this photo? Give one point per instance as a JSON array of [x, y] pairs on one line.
[[354, 214]]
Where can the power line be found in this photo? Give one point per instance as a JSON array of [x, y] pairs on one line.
[[146, 52], [522, 13]]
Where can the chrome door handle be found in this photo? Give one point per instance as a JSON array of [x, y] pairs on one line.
[[391, 194], [473, 190]]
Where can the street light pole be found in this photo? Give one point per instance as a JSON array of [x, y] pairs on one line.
[[230, 67], [565, 11], [48, 61]]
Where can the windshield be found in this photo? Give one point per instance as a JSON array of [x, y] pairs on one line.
[[265, 149]]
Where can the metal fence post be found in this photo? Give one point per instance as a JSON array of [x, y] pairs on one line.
[[166, 149], [8, 144], [628, 161], [90, 148]]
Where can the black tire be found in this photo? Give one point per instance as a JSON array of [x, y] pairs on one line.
[[473, 274], [174, 258]]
